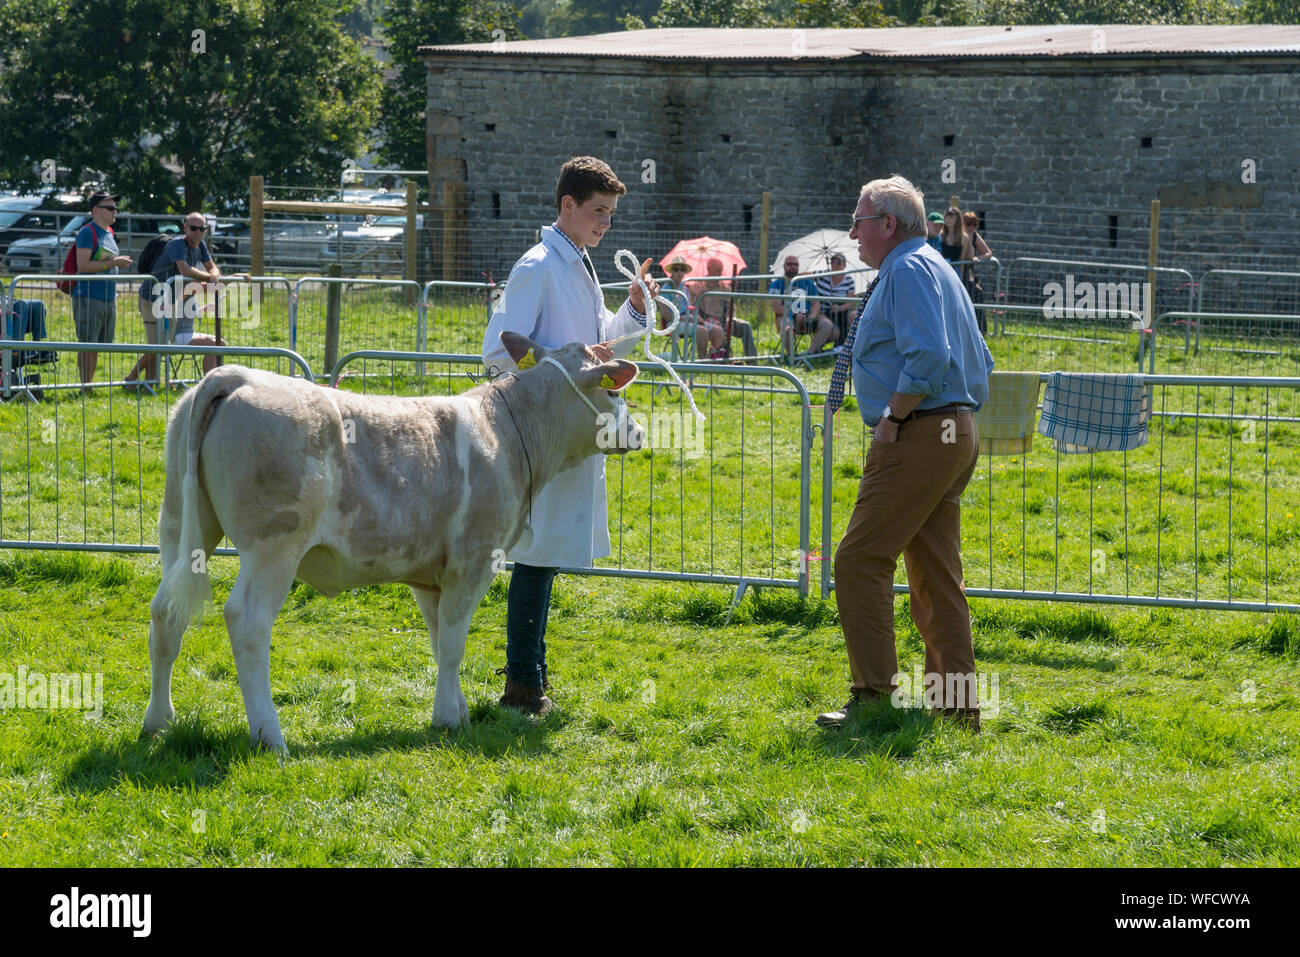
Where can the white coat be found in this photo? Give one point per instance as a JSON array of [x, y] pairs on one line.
[[551, 299]]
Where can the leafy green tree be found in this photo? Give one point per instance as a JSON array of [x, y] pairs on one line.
[[1271, 11], [580, 17], [1017, 12], [719, 13], [428, 23], [220, 88]]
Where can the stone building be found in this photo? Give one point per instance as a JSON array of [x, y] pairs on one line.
[[1059, 136]]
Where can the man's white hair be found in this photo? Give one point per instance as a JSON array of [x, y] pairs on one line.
[[898, 197]]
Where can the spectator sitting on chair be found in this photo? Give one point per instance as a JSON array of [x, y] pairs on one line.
[[838, 285], [187, 255], [801, 315], [711, 314], [675, 288], [94, 304]]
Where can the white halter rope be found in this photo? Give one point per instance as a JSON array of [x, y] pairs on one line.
[[634, 275], [594, 410]]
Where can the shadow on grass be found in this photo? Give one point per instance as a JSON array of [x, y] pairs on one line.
[[711, 608], [190, 755], [1046, 656], [879, 729], [492, 732]]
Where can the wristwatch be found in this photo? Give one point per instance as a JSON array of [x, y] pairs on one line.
[[889, 414]]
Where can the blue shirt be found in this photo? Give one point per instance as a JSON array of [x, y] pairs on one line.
[[780, 286], [918, 336], [107, 291], [176, 250]]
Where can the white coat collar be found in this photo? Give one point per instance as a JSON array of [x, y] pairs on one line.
[[562, 244]]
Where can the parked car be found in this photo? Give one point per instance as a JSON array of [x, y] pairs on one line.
[[297, 244], [378, 245], [31, 217], [43, 254]]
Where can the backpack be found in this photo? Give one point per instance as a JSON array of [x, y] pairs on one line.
[[70, 263], [152, 250]]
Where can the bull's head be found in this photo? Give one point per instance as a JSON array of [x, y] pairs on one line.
[[599, 383]]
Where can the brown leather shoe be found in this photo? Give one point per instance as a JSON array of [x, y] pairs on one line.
[[837, 719], [526, 698]]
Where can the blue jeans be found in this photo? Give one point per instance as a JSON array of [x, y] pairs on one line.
[[527, 606]]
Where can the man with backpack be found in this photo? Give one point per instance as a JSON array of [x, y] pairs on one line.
[[94, 304], [186, 255]]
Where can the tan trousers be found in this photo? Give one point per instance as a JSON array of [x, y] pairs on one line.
[[909, 504]]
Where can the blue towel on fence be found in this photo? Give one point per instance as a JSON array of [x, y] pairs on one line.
[[1090, 412], [26, 315]]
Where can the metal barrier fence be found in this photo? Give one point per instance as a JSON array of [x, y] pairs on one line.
[[1235, 343], [1082, 284], [725, 502], [84, 472], [457, 314], [758, 310], [255, 310], [1033, 337], [1206, 514], [330, 316], [1241, 290]]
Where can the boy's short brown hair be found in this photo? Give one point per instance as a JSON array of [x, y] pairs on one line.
[[582, 177]]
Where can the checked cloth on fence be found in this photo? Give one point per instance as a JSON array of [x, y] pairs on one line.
[[1006, 420], [840, 374], [1089, 412]]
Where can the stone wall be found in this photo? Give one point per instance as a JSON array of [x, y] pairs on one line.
[[1058, 157]]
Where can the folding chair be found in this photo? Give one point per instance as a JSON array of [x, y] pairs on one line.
[[25, 317]]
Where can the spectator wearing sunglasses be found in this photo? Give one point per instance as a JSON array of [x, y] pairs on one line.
[[187, 255], [94, 304]]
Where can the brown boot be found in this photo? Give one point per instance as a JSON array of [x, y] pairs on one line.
[[526, 698]]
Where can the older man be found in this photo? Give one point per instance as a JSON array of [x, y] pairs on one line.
[[920, 369], [187, 255], [801, 314]]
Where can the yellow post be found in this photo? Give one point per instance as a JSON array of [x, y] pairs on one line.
[[1148, 308], [412, 201], [255, 220]]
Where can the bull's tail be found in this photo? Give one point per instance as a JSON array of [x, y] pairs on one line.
[[185, 585]]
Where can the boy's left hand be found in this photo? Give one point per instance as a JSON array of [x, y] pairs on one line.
[[634, 291]]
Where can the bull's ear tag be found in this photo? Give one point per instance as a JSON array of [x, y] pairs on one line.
[[606, 382], [528, 361]]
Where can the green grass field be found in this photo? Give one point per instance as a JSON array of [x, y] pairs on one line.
[[1120, 738], [1117, 736]]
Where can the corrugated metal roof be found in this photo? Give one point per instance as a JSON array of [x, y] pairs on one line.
[[904, 42]]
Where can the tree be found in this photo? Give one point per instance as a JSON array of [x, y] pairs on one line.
[[1271, 11], [222, 88], [1017, 12], [429, 23], [719, 13]]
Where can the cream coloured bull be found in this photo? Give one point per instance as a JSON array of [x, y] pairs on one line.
[[342, 490]]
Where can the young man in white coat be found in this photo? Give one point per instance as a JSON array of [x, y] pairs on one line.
[[553, 298]]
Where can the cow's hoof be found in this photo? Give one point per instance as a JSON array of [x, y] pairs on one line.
[[156, 723], [274, 746], [451, 721]]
